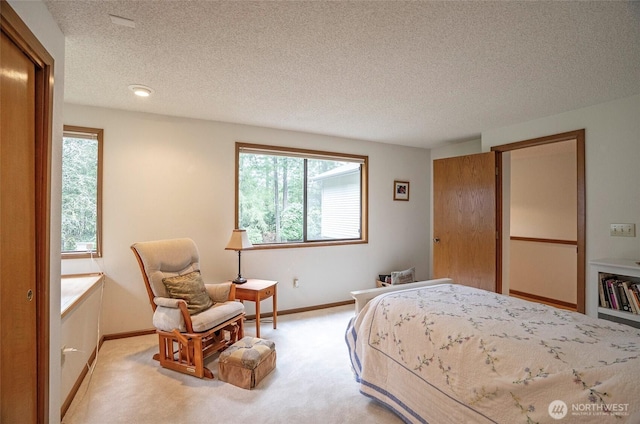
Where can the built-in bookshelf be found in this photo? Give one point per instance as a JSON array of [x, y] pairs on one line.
[[618, 290]]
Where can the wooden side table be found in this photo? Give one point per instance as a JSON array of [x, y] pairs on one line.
[[255, 291]]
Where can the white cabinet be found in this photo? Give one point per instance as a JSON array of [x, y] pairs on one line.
[[622, 269]]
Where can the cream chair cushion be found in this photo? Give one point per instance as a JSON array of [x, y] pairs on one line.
[[170, 258], [166, 318], [216, 315], [167, 258]]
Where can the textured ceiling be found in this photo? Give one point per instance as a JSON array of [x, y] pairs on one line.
[[411, 73]]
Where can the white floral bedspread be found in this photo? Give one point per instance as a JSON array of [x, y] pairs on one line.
[[455, 354]]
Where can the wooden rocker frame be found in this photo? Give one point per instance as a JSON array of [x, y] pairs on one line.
[[186, 352]]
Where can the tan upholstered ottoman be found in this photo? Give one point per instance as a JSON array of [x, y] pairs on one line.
[[246, 362]]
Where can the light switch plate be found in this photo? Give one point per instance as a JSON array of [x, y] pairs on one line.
[[623, 230]]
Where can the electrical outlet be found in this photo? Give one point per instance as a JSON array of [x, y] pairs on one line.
[[623, 230]]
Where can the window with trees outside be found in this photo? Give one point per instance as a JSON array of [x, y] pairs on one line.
[[81, 192], [292, 197]]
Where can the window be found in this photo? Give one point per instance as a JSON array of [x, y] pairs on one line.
[[297, 197], [81, 192]]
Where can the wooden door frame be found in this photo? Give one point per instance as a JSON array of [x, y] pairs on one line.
[[579, 136], [18, 32]]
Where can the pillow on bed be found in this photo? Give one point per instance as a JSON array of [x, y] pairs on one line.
[[402, 277], [190, 288]]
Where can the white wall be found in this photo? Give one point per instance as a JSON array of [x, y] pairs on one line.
[[79, 330], [37, 17], [470, 147], [544, 191], [544, 269], [612, 172], [170, 177]]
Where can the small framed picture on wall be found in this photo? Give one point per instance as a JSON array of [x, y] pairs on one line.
[[401, 190]]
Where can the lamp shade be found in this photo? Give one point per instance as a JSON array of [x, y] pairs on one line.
[[239, 240]]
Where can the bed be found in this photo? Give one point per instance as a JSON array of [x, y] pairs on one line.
[[447, 353]]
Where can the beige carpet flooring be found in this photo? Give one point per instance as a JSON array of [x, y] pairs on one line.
[[312, 382]]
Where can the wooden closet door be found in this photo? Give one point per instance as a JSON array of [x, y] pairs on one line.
[[18, 309], [464, 220], [26, 106]]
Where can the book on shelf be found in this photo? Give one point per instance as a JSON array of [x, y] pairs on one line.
[[604, 299], [613, 297], [622, 295], [634, 290], [626, 285]]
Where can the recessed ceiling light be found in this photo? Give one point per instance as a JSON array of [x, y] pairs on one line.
[[141, 90]]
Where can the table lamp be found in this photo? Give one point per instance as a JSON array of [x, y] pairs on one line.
[[239, 241]]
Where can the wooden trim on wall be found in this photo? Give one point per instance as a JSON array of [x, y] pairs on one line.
[[306, 309], [545, 300], [570, 135], [544, 240], [21, 35], [579, 136], [582, 220], [115, 336], [44, 123], [499, 235]]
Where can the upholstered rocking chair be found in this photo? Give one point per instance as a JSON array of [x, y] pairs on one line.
[[193, 320]]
